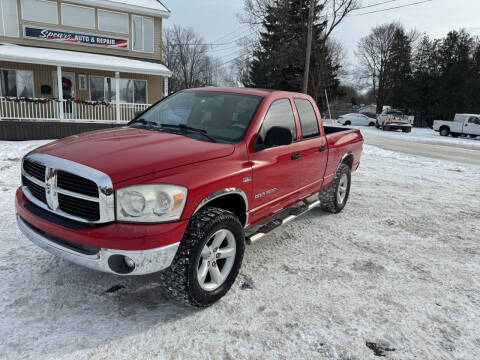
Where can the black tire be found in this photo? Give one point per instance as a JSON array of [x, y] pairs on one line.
[[444, 131], [347, 123], [328, 198], [377, 125], [180, 280], [386, 128], [371, 124], [406, 130], [473, 136]]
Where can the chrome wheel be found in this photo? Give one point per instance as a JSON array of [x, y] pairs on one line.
[[216, 260], [342, 189]]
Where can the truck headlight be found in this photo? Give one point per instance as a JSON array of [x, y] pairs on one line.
[[150, 203]]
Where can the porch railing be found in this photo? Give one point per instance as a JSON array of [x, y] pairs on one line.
[[49, 110]]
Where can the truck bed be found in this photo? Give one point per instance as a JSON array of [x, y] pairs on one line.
[[334, 129]]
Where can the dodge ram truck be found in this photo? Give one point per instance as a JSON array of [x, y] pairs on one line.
[[185, 185]]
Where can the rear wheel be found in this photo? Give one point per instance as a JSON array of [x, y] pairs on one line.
[[371, 124], [335, 197], [208, 259], [445, 131], [348, 123]]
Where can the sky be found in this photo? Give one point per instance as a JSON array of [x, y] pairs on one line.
[[217, 20]]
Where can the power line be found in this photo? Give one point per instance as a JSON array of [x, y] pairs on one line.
[[219, 44], [372, 5], [230, 33], [224, 49], [235, 58], [392, 8]]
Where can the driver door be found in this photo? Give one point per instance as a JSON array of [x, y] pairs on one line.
[[275, 174], [472, 127]]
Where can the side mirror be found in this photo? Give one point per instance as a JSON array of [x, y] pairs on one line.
[[276, 136]]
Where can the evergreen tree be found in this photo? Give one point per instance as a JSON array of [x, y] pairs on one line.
[[278, 62]]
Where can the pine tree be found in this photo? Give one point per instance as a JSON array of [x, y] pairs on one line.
[[278, 62]]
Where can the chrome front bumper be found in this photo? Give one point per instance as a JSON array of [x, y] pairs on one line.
[[146, 261]]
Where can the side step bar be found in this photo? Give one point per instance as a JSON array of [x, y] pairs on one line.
[[274, 224]]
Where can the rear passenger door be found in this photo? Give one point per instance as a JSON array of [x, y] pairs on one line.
[[312, 146]]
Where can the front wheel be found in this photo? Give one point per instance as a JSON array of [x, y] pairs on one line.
[[208, 259], [335, 197]]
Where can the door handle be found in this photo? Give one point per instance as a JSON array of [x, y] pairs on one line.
[[322, 148], [296, 156]]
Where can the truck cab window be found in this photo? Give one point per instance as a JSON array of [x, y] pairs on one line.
[[223, 116], [279, 114], [474, 120], [308, 118]]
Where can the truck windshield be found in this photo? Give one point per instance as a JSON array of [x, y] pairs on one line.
[[219, 116]]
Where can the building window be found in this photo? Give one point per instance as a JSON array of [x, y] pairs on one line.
[[82, 82], [97, 88], [131, 91], [112, 21], [9, 18], [40, 11], [78, 16], [143, 34], [16, 83]]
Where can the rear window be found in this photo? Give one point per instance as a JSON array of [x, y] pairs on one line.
[[308, 118]]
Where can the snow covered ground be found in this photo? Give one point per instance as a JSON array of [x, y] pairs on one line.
[[398, 269]]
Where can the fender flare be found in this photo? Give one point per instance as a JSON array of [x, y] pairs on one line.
[[346, 155], [224, 192]]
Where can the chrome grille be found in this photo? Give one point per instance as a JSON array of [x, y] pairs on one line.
[[34, 169], [76, 183], [68, 189], [36, 190]]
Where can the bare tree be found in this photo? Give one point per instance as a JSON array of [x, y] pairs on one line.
[[334, 12], [374, 53], [186, 55]]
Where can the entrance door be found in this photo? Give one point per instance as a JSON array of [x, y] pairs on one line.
[[68, 84]]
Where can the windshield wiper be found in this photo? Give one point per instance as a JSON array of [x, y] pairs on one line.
[[142, 121], [183, 127]]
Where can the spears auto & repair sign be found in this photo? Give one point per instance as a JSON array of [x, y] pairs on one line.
[[75, 38]]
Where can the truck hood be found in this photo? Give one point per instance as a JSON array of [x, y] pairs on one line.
[[126, 153]]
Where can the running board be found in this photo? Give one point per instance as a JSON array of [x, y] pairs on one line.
[[274, 224]]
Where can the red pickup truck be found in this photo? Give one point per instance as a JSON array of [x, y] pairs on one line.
[[186, 185]]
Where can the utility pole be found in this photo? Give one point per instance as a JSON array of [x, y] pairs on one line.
[[309, 46]]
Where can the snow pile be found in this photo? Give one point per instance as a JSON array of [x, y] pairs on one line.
[[398, 272], [423, 135]]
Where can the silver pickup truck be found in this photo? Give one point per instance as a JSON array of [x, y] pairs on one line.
[[462, 124]]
